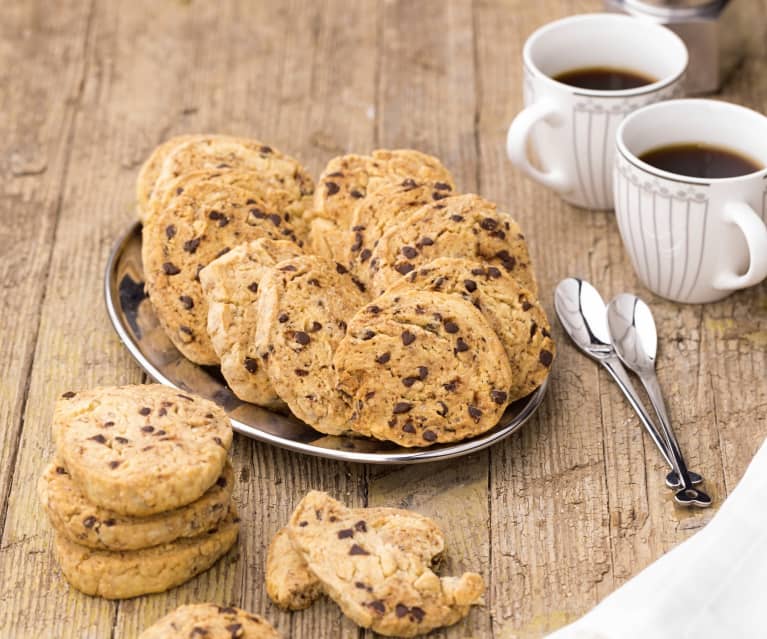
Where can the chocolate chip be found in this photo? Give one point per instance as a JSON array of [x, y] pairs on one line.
[[60, 470], [253, 287], [493, 272], [443, 186], [489, 224], [345, 533], [451, 386], [187, 301], [340, 268], [147, 429], [368, 334], [186, 330], [409, 381], [408, 427], [145, 410], [407, 338], [274, 219], [114, 464], [108, 424], [170, 231], [258, 214], [287, 268], [402, 407], [358, 284], [90, 521], [423, 372], [533, 329], [475, 413], [300, 372], [409, 184], [332, 188], [215, 439], [442, 412], [170, 268], [546, 357], [357, 242], [470, 285], [160, 433], [302, 338], [121, 440], [378, 606], [365, 255], [215, 215], [251, 365], [221, 482], [356, 194], [426, 241], [499, 397], [403, 268], [409, 252], [373, 310], [461, 346], [436, 195], [358, 550], [429, 435], [457, 218], [526, 306], [234, 630], [361, 526], [342, 325], [266, 149], [417, 613], [382, 359], [68, 395], [451, 327], [499, 234], [545, 333], [190, 246], [100, 439], [283, 318], [303, 524], [360, 585], [110, 522], [226, 610], [401, 610]]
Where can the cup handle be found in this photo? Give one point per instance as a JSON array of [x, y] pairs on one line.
[[755, 233], [518, 135]]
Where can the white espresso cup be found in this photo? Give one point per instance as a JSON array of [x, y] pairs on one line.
[[572, 130], [693, 239]]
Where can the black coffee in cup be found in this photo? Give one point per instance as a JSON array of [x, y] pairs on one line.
[[604, 78], [700, 161]]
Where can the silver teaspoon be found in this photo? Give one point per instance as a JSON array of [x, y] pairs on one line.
[[583, 314], [635, 339]]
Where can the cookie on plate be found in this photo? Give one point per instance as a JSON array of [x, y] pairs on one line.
[[210, 621], [130, 573], [375, 582], [303, 306], [203, 223], [141, 450], [512, 311], [421, 368], [383, 207], [465, 226], [286, 198], [149, 171], [84, 523], [230, 284], [224, 152], [291, 585], [347, 179]]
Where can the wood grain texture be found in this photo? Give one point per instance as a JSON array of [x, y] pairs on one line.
[[555, 517]]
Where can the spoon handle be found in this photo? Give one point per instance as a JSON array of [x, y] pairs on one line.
[[621, 377]]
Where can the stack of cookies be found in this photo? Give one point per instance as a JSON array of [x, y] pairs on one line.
[[377, 564], [380, 303], [139, 491]]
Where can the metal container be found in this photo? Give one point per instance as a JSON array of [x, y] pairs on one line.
[[715, 33]]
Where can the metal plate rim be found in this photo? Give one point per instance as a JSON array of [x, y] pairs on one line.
[[417, 456]]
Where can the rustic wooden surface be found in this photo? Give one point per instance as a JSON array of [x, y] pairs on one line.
[[555, 517]]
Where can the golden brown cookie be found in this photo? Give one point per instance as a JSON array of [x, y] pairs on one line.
[[203, 223], [347, 179], [130, 573], [303, 306], [511, 310], [210, 621], [141, 450], [375, 582], [230, 284], [465, 226], [84, 523], [421, 368]]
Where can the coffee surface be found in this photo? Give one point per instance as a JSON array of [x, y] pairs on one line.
[[700, 161], [604, 78]]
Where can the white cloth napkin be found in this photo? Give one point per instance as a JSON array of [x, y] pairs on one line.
[[712, 586]]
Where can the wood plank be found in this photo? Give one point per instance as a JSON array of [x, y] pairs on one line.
[[427, 101]]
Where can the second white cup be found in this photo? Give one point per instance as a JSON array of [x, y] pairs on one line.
[[572, 129]]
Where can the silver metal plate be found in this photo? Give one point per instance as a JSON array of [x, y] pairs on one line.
[[136, 324]]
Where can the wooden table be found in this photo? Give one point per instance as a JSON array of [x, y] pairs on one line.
[[555, 517]]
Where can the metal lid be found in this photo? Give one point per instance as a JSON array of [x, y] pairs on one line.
[[671, 8]]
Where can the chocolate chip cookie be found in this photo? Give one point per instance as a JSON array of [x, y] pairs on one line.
[[511, 310], [210, 621], [303, 306], [84, 523], [130, 573], [230, 284], [203, 223], [465, 226], [347, 179], [420, 368], [375, 582], [141, 450]]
